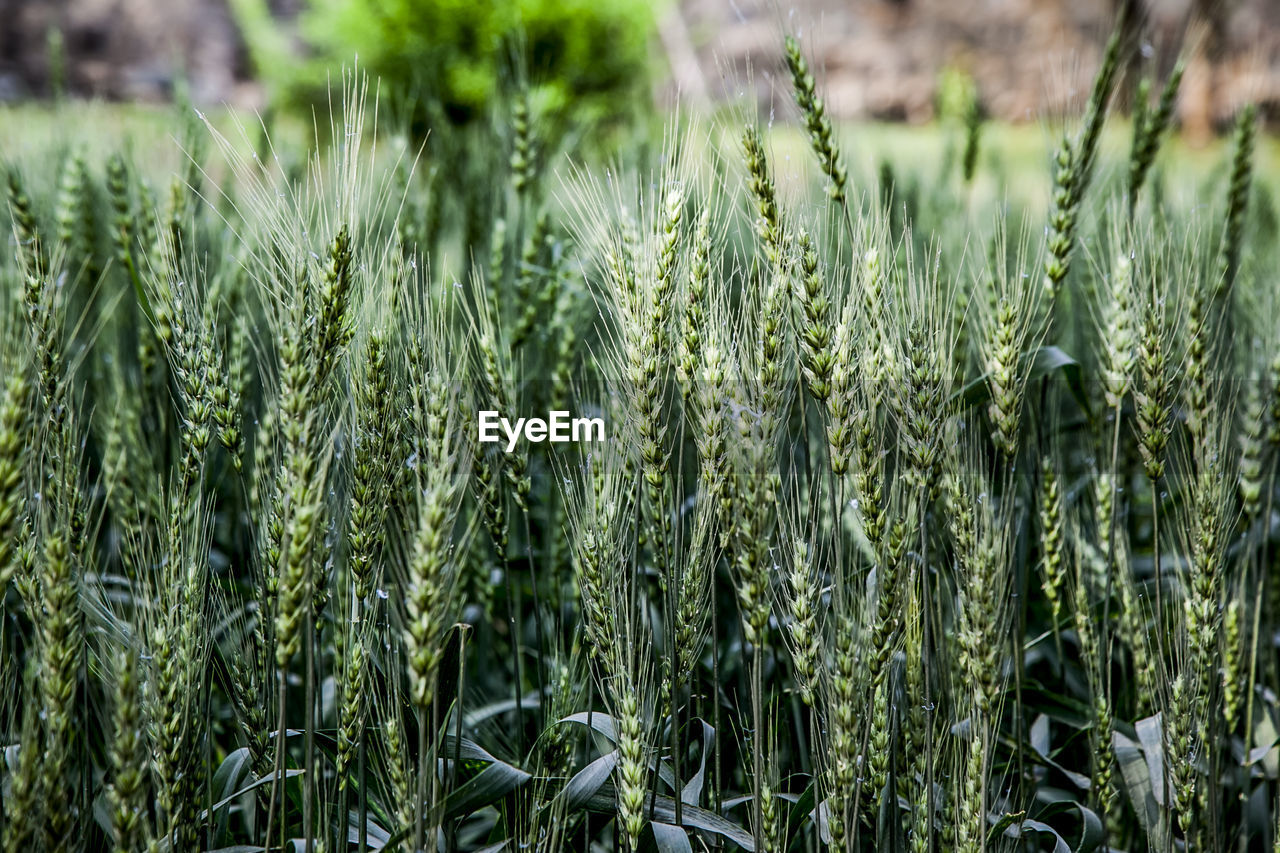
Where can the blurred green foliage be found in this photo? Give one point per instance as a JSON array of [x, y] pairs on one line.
[[957, 93], [452, 59]]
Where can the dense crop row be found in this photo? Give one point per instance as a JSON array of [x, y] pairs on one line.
[[922, 522]]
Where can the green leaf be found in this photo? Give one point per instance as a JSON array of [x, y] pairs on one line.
[[1001, 826], [1093, 834], [691, 793], [670, 839], [257, 783], [664, 811], [464, 749], [801, 810], [597, 720], [528, 704], [1059, 843], [377, 836], [1150, 731], [1091, 830], [1141, 762], [588, 781], [489, 785], [1044, 361], [230, 774], [1039, 736]]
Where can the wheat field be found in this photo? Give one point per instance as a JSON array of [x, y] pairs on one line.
[[924, 518]]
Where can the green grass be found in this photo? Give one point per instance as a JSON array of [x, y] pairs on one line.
[[1014, 156]]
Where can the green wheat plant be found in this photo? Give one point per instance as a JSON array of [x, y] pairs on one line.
[[915, 521]]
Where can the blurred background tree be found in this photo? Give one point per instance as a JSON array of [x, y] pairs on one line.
[[451, 59], [465, 79]]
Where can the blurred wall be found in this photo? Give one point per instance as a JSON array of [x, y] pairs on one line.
[[124, 49], [1029, 58], [876, 58]]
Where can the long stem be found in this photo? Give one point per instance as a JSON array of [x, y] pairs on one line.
[[1104, 680], [1259, 598], [344, 784], [757, 748], [982, 790], [309, 734], [1264, 591], [1111, 522], [676, 686], [1265, 580], [513, 618], [433, 761], [208, 760], [926, 622], [674, 710], [278, 775], [420, 806], [450, 840], [1159, 632], [1018, 650], [716, 793], [344, 810], [836, 485], [863, 750], [537, 622], [362, 833], [591, 689]]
